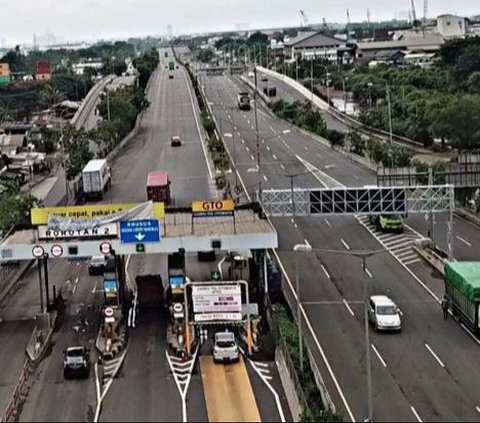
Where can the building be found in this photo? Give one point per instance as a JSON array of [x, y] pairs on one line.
[[389, 51], [79, 68], [312, 44], [5, 75], [452, 26], [44, 71]]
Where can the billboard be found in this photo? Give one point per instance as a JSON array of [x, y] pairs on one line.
[[44, 232], [177, 282], [213, 208], [217, 299], [39, 216]]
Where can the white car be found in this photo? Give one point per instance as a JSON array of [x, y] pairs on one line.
[[383, 313], [225, 348], [97, 265], [251, 74]]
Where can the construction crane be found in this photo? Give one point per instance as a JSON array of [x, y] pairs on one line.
[[306, 22], [348, 25], [414, 16], [325, 26], [425, 13]]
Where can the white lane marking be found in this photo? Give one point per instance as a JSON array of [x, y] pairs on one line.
[[307, 321], [416, 414], [470, 333], [306, 148], [327, 222], [253, 158], [289, 147], [253, 127], [268, 148], [463, 240], [317, 342], [265, 380], [246, 147], [239, 133], [379, 356], [274, 157], [434, 355], [293, 221], [345, 244], [368, 273], [198, 127], [243, 141], [400, 312], [325, 271], [264, 177], [348, 308], [296, 226], [282, 166], [477, 408], [356, 177], [319, 156], [75, 285], [306, 242]]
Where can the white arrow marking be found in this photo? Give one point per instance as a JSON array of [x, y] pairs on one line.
[[139, 236]]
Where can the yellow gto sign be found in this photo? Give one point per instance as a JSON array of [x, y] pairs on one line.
[[213, 207], [39, 216]]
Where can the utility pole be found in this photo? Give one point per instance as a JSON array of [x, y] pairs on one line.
[[390, 115], [234, 149], [256, 135], [311, 76], [108, 104], [431, 216]]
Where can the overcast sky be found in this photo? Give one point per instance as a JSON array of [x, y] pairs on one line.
[[93, 19]]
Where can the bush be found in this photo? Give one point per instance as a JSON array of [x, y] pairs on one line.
[[335, 137]]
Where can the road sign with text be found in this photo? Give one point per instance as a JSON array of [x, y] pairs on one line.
[[140, 231]]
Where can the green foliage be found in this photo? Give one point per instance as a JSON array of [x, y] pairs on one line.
[[145, 65], [308, 118], [286, 332], [15, 206], [358, 145], [76, 142], [205, 55]]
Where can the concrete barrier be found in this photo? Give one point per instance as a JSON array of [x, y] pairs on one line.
[[345, 119], [288, 386]]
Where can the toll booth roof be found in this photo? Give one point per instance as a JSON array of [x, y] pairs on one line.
[[246, 222]]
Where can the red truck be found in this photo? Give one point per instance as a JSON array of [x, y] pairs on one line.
[[158, 187]]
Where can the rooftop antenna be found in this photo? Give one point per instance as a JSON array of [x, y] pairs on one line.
[[348, 25]]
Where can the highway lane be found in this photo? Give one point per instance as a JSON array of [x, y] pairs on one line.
[[396, 277], [466, 240], [53, 398], [145, 371]]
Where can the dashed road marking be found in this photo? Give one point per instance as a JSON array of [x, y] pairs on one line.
[[345, 244], [348, 308], [435, 356], [379, 356], [325, 271]]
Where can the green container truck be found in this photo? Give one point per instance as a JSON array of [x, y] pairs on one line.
[[462, 288], [171, 65]]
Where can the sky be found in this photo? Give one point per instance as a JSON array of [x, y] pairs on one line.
[[90, 20]]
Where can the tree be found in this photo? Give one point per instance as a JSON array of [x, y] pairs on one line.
[[51, 96], [205, 55], [258, 38]]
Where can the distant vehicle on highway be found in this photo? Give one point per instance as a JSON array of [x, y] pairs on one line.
[[76, 362], [383, 314], [175, 141], [243, 100], [170, 76], [158, 187], [171, 65], [97, 265], [387, 222], [225, 348], [264, 79], [251, 74]]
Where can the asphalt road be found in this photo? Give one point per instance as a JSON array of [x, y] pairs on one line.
[[17, 313], [145, 390], [419, 373]]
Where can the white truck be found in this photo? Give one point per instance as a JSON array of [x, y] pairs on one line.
[[96, 179]]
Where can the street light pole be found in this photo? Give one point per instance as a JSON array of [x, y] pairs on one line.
[[367, 343], [311, 76], [256, 134], [301, 248], [390, 115]]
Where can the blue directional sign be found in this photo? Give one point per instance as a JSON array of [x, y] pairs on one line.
[[139, 231]]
